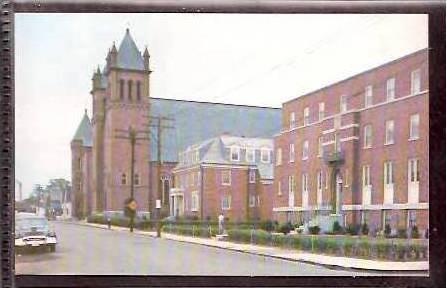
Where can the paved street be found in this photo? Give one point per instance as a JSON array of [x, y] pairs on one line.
[[90, 250]]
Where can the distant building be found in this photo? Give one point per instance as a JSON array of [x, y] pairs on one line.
[[357, 151], [121, 99], [225, 175]]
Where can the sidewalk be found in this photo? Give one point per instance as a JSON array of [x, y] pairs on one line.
[[275, 252]]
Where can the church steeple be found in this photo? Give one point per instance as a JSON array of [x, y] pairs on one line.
[[146, 57]]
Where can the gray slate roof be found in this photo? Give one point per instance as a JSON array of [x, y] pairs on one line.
[[84, 131], [217, 151], [196, 122], [129, 57]]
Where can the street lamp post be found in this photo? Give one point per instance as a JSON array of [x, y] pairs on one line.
[[158, 208]]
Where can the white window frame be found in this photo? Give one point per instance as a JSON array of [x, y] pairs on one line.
[[250, 155], [388, 183], [413, 180], [136, 180], [226, 202], [366, 185], [291, 185], [389, 132], [343, 103], [367, 134], [306, 119], [390, 89], [388, 172], [278, 156], [321, 111], [305, 150], [235, 149], [319, 187], [194, 201], [265, 151], [292, 152], [252, 176], [252, 200], [279, 188], [414, 127], [368, 96], [292, 120], [415, 81], [305, 190], [225, 173], [123, 176]]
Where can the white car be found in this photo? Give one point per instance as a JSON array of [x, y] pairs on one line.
[[33, 231]]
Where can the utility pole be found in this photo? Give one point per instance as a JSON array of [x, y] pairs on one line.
[[160, 127], [132, 137]]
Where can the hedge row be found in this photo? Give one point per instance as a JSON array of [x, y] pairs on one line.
[[195, 231], [340, 246], [122, 222]]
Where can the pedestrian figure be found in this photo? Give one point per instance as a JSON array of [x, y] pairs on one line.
[[221, 224]]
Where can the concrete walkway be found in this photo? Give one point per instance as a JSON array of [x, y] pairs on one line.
[[276, 252]]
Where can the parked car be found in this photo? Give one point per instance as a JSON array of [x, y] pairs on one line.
[[33, 231]]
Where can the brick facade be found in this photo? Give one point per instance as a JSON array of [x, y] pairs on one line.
[[343, 153]]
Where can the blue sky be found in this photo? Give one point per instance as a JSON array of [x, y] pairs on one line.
[[252, 59]]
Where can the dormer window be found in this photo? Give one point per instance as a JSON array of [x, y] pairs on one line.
[[265, 155], [235, 153], [250, 155]]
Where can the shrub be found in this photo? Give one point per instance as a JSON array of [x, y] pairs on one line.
[[285, 228], [336, 228], [401, 233], [348, 246], [267, 225], [314, 230], [365, 229], [387, 230], [353, 229], [414, 232]]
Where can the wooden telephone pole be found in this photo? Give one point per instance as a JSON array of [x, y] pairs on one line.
[[132, 137], [157, 122]]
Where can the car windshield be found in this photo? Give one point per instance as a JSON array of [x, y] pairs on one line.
[[28, 223]]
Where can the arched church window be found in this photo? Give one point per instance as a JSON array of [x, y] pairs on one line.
[[136, 180], [129, 86], [121, 89], [138, 91], [123, 179]]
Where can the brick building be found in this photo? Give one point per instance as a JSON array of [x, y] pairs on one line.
[[357, 151], [101, 146], [226, 174]]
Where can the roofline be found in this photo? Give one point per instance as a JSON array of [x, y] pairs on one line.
[[358, 74], [218, 103]]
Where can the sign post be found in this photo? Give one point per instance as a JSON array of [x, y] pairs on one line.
[[158, 208]]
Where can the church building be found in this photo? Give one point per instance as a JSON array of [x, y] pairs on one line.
[[124, 111]]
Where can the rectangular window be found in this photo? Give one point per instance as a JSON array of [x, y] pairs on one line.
[[278, 156], [320, 146], [121, 89], [252, 176], [194, 201], [129, 92], [411, 218], [414, 127], [305, 150], [265, 155], [368, 96], [252, 201], [306, 116], [388, 172], [415, 81], [226, 202], [366, 175], [390, 89], [138, 90], [226, 177], [305, 191], [337, 144], [235, 153], [291, 191], [319, 180], [291, 152], [279, 188], [321, 111], [413, 170], [343, 103], [389, 134], [326, 186], [136, 179], [250, 155], [292, 120], [123, 179], [367, 136]]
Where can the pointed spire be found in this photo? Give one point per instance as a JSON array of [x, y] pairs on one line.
[[113, 55], [114, 48], [146, 57], [85, 111]]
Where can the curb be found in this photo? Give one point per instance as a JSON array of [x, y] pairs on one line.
[[330, 266]]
